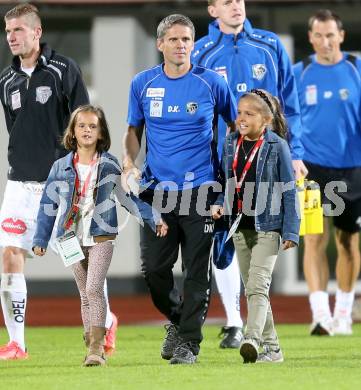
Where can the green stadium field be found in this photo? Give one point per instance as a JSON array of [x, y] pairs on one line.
[[56, 355]]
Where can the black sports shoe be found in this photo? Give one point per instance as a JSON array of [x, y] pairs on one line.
[[171, 340], [232, 337], [184, 354]]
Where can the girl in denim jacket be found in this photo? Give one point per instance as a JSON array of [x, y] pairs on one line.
[[262, 203], [80, 188]]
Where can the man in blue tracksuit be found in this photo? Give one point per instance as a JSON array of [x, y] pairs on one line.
[[247, 58], [329, 86], [176, 102]]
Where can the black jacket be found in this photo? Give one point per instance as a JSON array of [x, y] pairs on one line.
[[37, 110]]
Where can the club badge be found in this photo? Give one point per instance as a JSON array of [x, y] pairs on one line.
[[344, 93], [43, 94], [259, 71], [192, 108]]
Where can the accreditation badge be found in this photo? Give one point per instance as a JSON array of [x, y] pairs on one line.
[[311, 95], [234, 226], [69, 249]]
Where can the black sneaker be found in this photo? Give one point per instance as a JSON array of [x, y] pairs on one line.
[[184, 354], [171, 340], [231, 337]]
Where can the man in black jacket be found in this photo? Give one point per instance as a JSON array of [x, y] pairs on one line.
[[39, 90]]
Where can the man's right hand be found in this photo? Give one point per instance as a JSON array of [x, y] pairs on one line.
[[130, 178], [161, 228], [216, 211]]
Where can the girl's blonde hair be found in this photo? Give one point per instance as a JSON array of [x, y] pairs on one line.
[[69, 140], [269, 106]]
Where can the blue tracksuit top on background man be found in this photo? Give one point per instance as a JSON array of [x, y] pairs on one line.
[[252, 59], [330, 99], [178, 114]]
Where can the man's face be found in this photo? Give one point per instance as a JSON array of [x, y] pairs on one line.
[[22, 38], [176, 45], [230, 14], [326, 39]]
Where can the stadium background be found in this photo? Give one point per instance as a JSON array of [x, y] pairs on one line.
[[111, 41]]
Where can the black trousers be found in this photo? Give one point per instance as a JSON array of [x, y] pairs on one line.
[[190, 228]]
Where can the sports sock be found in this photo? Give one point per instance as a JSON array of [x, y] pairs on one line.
[[320, 305], [344, 303], [229, 288], [13, 303]]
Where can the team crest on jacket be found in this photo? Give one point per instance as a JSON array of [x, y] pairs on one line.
[[192, 107], [43, 94], [344, 93], [259, 71]]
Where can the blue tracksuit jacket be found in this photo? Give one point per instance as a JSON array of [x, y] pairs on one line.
[[252, 59]]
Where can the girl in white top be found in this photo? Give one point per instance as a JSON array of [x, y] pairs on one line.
[[87, 136]]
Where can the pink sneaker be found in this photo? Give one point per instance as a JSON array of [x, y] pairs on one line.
[[110, 337], [12, 351]]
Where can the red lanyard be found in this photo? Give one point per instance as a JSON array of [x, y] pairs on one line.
[[74, 211], [82, 192], [246, 167]]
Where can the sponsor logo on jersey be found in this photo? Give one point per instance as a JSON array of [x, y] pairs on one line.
[[192, 108], [59, 63], [259, 71], [222, 71], [15, 226], [43, 94], [241, 87], [327, 94], [344, 93], [155, 92], [156, 108], [173, 109], [311, 95]]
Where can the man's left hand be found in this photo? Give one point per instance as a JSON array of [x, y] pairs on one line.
[[300, 169]]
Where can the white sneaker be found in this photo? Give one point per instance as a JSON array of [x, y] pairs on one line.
[[322, 327], [342, 326], [270, 356]]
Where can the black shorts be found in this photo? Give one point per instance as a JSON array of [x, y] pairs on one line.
[[343, 206]]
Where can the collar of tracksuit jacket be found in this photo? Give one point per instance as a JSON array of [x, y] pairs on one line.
[[218, 36], [45, 54]]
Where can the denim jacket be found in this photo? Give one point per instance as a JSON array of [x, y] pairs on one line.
[[59, 193], [277, 206]]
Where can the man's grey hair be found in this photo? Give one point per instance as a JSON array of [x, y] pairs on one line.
[[170, 21]]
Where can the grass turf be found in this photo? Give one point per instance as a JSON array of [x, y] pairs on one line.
[[56, 355]]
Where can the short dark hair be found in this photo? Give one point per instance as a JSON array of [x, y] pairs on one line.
[[170, 21], [69, 140], [27, 10], [324, 15]]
